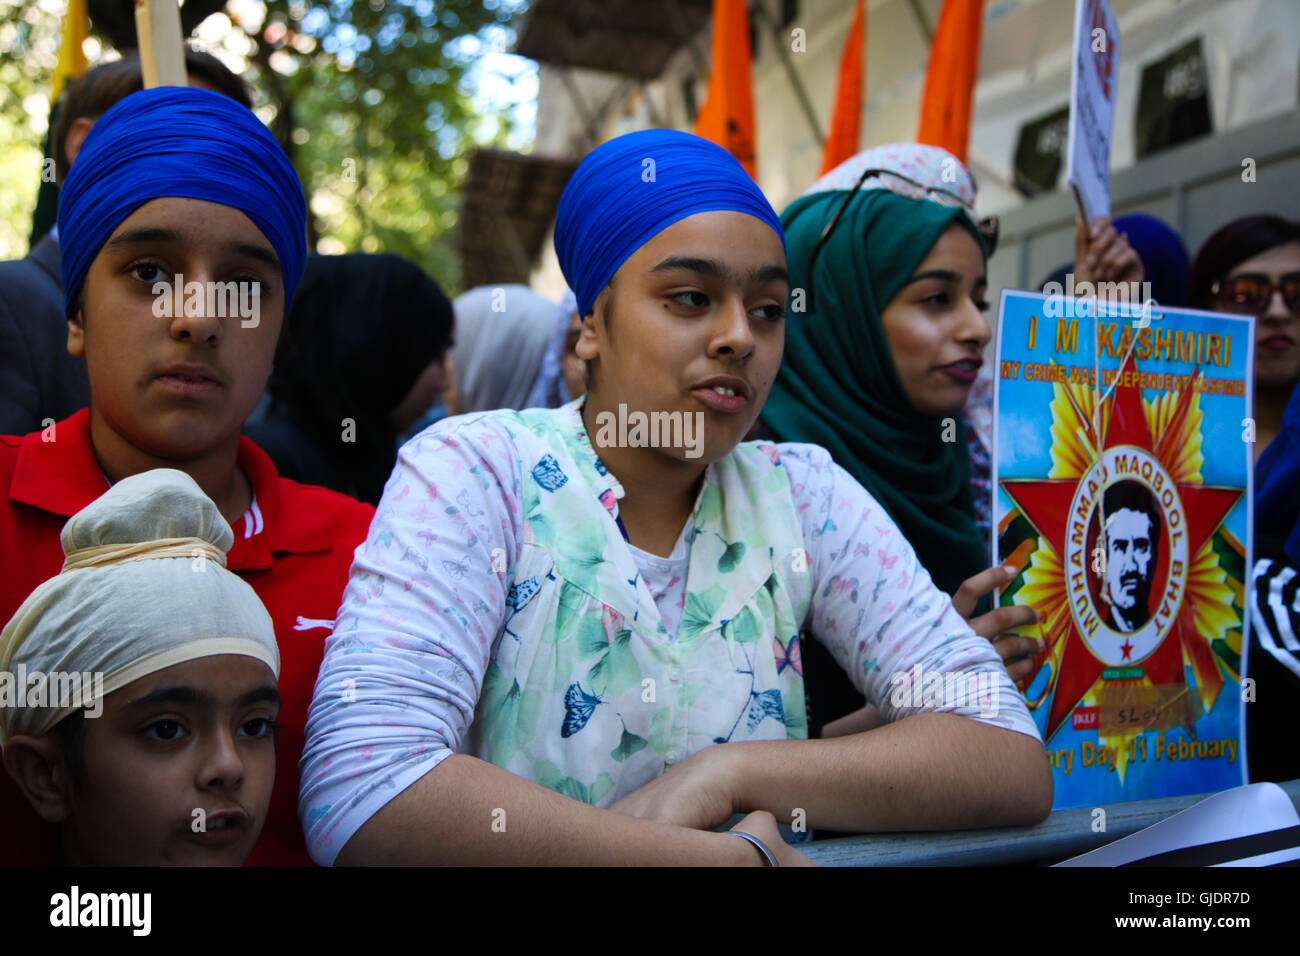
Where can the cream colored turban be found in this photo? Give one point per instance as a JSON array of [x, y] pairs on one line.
[[144, 586]]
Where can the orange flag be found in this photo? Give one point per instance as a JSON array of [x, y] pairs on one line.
[[727, 116], [950, 79], [842, 142]]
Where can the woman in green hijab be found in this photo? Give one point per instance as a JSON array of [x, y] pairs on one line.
[[877, 368]]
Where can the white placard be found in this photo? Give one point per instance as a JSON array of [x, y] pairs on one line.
[[162, 47], [1094, 75], [1213, 825]]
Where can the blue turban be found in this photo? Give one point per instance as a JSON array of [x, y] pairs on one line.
[[175, 141], [1164, 257], [618, 200]]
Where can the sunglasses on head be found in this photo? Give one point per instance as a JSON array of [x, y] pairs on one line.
[[1252, 292], [902, 186]]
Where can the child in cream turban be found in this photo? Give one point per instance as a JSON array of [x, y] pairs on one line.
[[138, 686]]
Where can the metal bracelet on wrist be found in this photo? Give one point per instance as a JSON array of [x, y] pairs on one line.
[[762, 847]]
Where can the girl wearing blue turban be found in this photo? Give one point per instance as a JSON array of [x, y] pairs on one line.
[[182, 228], [561, 612]]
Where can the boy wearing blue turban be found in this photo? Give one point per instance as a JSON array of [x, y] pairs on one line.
[[562, 612], [180, 213]]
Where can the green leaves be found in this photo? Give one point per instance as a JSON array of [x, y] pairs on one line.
[[699, 609], [731, 557], [660, 729], [710, 508], [373, 102], [500, 706], [384, 89], [509, 713], [545, 772], [617, 671], [600, 787], [744, 628], [581, 552], [627, 746], [495, 689], [542, 527], [574, 788], [794, 711], [580, 791], [576, 617]]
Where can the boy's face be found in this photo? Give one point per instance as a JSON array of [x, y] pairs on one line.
[[178, 770], [702, 303], [171, 384]]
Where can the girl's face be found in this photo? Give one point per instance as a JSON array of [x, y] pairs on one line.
[[1277, 329], [175, 382], [692, 323], [935, 325], [178, 769]]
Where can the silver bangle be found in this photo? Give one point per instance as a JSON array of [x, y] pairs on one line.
[[762, 847]]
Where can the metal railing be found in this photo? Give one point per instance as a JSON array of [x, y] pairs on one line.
[[1064, 834]]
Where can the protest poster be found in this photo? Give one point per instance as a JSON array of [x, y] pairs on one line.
[[1122, 477], [1094, 75]]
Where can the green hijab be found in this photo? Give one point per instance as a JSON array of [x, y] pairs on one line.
[[838, 386]]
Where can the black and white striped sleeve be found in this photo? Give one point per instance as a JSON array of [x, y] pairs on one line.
[[1275, 611]]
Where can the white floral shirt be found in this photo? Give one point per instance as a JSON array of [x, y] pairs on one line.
[[496, 609]]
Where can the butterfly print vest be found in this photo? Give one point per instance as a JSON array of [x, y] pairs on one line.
[[585, 692]]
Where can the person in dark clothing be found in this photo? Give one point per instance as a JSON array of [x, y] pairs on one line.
[[1273, 594], [362, 356], [40, 382]]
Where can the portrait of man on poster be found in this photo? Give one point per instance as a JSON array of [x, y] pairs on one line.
[[1132, 535]]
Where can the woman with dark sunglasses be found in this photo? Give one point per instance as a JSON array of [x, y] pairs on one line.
[[1252, 266], [888, 262]]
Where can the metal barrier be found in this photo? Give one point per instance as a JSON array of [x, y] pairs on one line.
[[1064, 834]]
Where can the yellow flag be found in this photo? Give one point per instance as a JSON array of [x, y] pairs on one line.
[[72, 61]]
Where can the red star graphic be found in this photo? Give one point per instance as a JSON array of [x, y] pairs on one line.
[[1046, 504], [1127, 648]]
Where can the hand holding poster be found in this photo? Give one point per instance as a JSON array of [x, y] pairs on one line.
[[1094, 73], [1122, 476]]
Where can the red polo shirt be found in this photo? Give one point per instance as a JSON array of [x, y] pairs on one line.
[[296, 557]]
